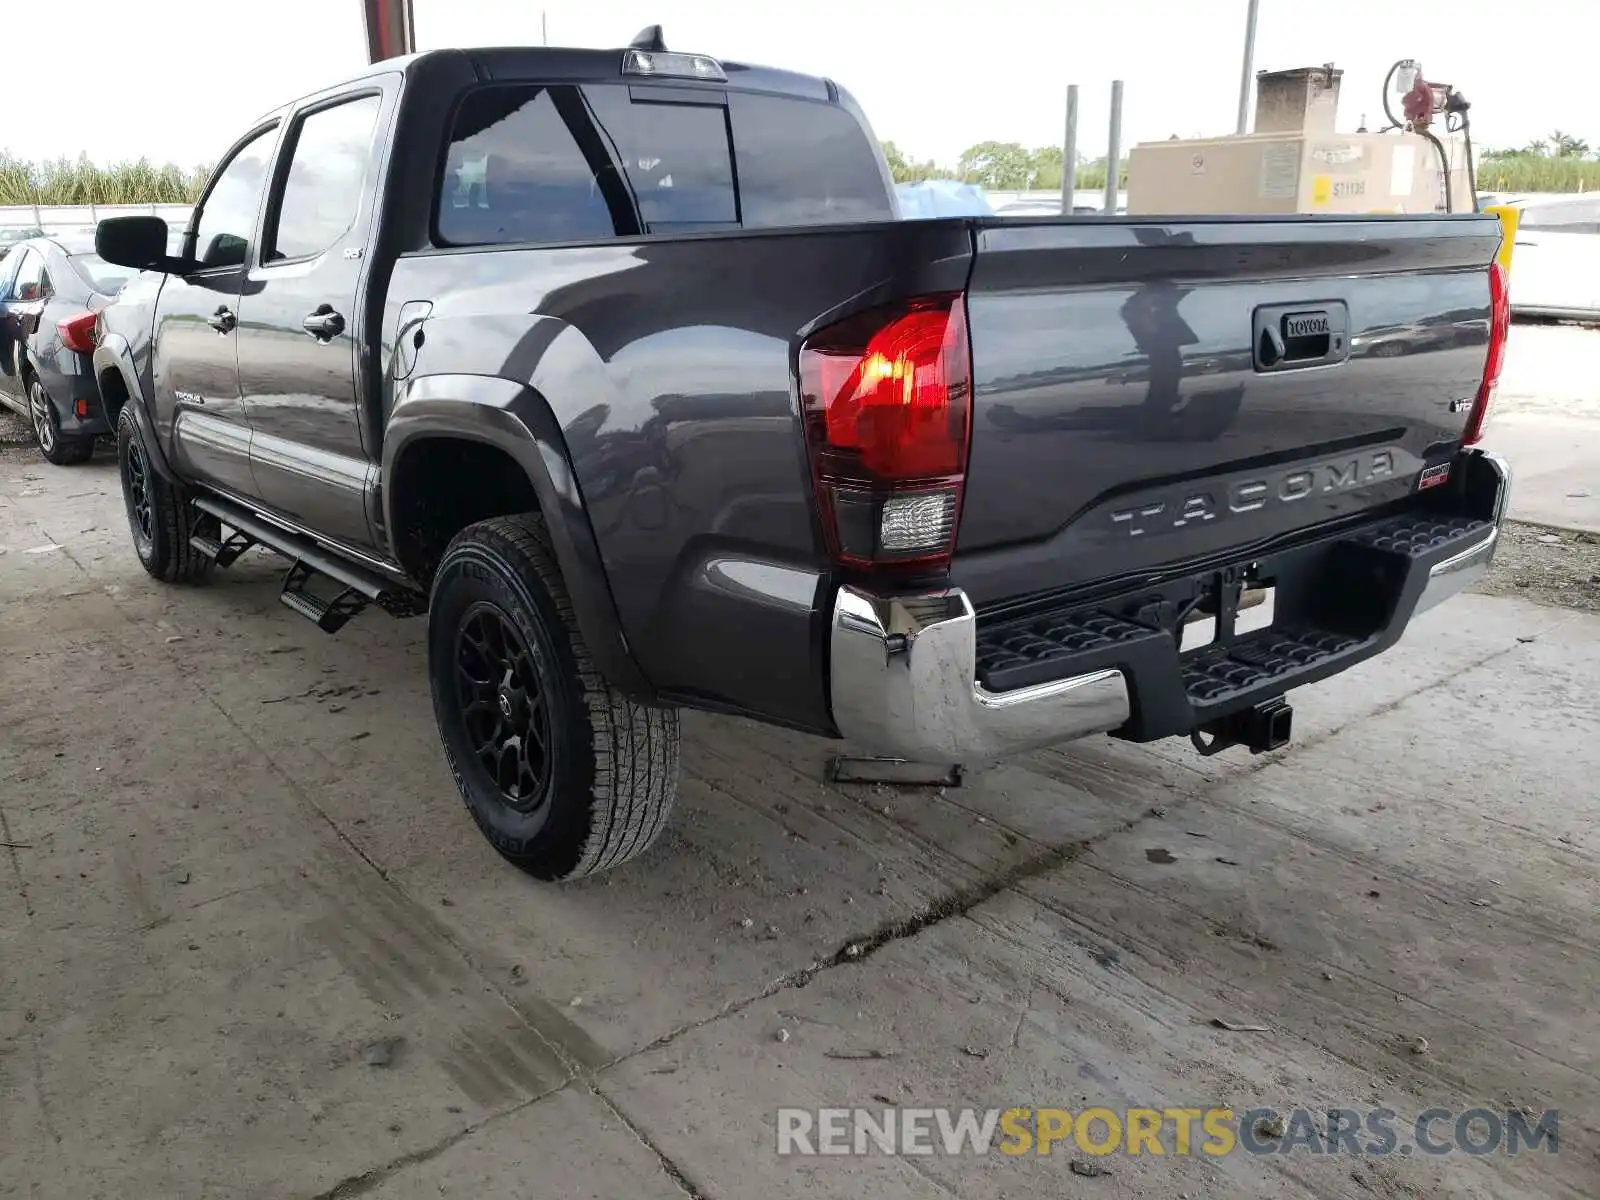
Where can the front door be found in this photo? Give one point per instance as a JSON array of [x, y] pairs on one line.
[[196, 369], [300, 326], [21, 302], [8, 342]]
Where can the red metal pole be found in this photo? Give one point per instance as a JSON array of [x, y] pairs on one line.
[[391, 30]]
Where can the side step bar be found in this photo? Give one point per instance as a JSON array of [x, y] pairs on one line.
[[358, 585]]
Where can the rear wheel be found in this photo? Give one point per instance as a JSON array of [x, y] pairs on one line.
[[159, 516], [56, 446], [565, 776]]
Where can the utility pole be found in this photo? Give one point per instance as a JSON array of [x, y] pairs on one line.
[[391, 28], [1114, 151], [1069, 154], [1246, 72], [544, 28]]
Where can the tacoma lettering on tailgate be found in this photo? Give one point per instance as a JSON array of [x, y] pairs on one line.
[[1199, 505]]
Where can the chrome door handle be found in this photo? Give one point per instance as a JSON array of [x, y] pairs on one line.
[[324, 324]]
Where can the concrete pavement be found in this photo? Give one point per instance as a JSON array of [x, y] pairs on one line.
[[251, 946], [1547, 422]]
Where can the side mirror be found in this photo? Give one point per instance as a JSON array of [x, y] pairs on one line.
[[137, 242]]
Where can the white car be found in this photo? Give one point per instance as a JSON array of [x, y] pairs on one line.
[[1555, 262]]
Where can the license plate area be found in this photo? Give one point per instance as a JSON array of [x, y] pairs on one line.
[[1227, 609]]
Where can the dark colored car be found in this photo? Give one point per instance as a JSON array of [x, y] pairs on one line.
[[620, 367], [11, 236], [50, 291]]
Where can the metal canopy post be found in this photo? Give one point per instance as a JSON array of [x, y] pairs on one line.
[[391, 28], [1069, 152], [1114, 150], [1245, 69]]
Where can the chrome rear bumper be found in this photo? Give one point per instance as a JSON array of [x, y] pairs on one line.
[[1466, 567], [903, 669], [903, 682]]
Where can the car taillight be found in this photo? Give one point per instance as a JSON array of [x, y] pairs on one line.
[[78, 332], [1499, 327], [886, 398]]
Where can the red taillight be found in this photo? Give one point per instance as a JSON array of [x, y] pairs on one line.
[[77, 333], [1499, 327], [887, 402]]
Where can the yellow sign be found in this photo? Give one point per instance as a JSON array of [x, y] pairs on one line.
[[1101, 1131], [1509, 217], [1321, 189]]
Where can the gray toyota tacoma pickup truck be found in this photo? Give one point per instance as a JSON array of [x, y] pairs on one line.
[[620, 367]]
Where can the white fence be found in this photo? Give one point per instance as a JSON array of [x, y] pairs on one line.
[[82, 218]]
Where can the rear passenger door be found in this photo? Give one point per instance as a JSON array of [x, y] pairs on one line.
[[300, 320]]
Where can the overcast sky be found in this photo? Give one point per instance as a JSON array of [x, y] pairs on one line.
[[179, 79]]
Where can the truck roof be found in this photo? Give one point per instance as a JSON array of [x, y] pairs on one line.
[[556, 64]]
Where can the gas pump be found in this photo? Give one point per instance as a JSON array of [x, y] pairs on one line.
[[1420, 102]]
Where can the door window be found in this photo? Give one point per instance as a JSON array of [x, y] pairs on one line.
[[228, 218], [8, 270], [515, 173], [327, 179], [30, 278], [676, 157]]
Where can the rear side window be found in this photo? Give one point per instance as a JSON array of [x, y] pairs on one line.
[[804, 163], [30, 282], [327, 177], [515, 172], [675, 155], [101, 275], [552, 164]]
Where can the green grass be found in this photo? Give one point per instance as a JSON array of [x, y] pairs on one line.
[[1537, 174], [65, 181]]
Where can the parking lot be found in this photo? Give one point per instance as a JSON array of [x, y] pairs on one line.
[[250, 944]]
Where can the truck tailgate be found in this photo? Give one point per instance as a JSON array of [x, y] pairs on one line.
[[1147, 395]]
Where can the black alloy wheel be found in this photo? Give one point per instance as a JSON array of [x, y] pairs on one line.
[[136, 487], [564, 775], [161, 519], [503, 706]]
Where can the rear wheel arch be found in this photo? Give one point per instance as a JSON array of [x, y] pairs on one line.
[[492, 424], [442, 482]]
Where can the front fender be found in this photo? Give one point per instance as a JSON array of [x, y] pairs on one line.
[[514, 418], [113, 354]]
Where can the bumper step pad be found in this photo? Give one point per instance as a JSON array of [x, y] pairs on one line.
[[1258, 659], [1017, 656], [1414, 537], [1178, 692]]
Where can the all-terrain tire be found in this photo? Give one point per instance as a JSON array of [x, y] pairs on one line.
[[606, 784], [57, 448], [160, 517]]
